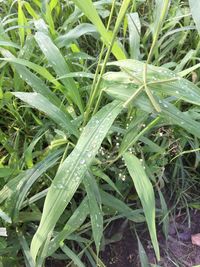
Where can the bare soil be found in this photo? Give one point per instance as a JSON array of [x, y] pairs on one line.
[[177, 251]]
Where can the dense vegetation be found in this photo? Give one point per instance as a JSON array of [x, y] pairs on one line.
[[100, 121]]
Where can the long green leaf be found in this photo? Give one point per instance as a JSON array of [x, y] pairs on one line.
[[39, 69], [145, 192], [195, 7], [26, 251], [72, 256], [88, 8], [169, 112], [32, 80], [75, 221], [72, 171], [60, 66], [96, 215], [122, 208], [43, 104], [159, 79], [75, 33], [16, 189], [142, 254], [134, 34], [9, 44]]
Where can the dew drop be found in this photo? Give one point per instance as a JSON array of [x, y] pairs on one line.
[[82, 161]]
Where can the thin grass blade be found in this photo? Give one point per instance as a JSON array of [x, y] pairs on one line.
[[88, 8], [43, 104], [95, 211], [60, 66], [145, 192], [195, 7], [75, 221]]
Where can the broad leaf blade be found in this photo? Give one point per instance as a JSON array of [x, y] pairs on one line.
[[72, 171], [160, 80], [122, 208], [72, 256]]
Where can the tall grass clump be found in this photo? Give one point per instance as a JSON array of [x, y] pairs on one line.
[[99, 121]]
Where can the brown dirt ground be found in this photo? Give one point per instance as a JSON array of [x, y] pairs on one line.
[[177, 251]]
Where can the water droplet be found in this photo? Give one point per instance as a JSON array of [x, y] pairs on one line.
[[82, 161], [60, 186]]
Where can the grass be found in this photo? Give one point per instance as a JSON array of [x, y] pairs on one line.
[[99, 121]]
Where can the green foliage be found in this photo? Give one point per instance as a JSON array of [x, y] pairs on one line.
[[100, 121]]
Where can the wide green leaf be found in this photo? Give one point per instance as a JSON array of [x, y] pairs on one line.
[[72, 171], [160, 80], [75, 33], [120, 207], [124, 84], [72, 256]]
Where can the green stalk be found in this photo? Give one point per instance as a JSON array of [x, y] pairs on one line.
[[95, 82], [122, 12], [155, 38]]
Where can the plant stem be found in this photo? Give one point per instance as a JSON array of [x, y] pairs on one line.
[[96, 80], [155, 38]]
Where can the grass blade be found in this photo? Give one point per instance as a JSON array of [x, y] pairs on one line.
[[142, 254], [39, 69], [90, 12], [60, 66], [75, 33], [72, 256], [43, 104], [195, 7], [134, 34], [75, 221], [72, 171], [26, 251], [145, 192], [16, 189], [95, 211], [159, 79], [32, 80], [121, 207], [5, 217]]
